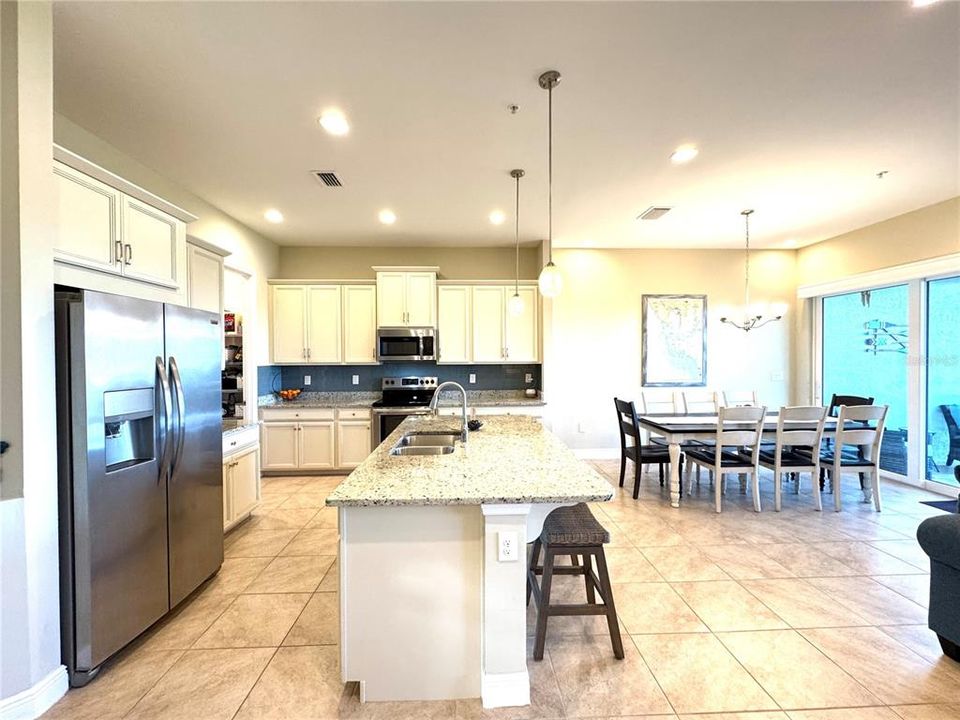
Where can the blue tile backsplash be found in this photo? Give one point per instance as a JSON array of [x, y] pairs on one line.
[[332, 378]]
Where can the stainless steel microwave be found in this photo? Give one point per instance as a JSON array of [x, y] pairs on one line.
[[415, 344]]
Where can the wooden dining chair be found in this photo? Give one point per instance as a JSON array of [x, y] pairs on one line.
[[699, 401], [739, 398], [632, 447], [736, 449], [859, 427], [833, 410], [796, 451]]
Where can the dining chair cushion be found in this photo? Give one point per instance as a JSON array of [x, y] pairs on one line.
[[788, 458], [728, 458], [649, 453], [573, 525], [846, 460]]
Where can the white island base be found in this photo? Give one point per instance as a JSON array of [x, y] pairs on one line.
[[427, 609]]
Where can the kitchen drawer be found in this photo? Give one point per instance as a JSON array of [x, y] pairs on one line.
[[353, 414], [529, 410], [293, 414], [240, 439]]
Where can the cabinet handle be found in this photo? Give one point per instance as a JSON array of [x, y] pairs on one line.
[[308, 353], [127, 254], [506, 352], [119, 251]]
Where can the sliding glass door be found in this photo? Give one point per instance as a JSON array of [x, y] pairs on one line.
[[864, 346], [943, 378]]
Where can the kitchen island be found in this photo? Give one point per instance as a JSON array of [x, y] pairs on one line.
[[433, 558]]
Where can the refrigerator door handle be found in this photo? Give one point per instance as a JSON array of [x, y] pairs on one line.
[[182, 416], [167, 418]]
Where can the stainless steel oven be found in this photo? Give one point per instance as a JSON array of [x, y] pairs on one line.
[[406, 344], [402, 397]]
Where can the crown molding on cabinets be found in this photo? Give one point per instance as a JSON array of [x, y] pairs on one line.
[[511, 283], [406, 268], [208, 246], [83, 165], [315, 281]]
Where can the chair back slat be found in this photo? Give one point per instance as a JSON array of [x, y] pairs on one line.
[[627, 422], [849, 400], [737, 437], [787, 437], [658, 404], [863, 413]]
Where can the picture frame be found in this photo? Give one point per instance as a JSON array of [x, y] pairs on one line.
[[673, 340]]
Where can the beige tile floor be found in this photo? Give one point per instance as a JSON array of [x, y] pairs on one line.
[[795, 615]]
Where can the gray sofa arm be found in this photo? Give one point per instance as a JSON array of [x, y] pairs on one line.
[[940, 539]]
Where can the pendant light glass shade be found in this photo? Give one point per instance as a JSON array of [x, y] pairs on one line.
[[515, 304], [550, 281]]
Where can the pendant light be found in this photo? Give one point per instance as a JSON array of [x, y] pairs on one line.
[[750, 320], [515, 304], [550, 281]]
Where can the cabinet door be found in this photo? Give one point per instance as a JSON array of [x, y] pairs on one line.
[[323, 323], [391, 299], [279, 445], [359, 324], [353, 442], [317, 445], [454, 323], [488, 341], [245, 483], [89, 221], [204, 279], [227, 513], [421, 299], [154, 244], [523, 336], [288, 323]]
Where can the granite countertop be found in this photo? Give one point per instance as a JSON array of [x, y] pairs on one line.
[[239, 428], [512, 459], [475, 398]]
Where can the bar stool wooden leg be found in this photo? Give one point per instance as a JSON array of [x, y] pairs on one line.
[[532, 568], [607, 592], [543, 610], [587, 580]]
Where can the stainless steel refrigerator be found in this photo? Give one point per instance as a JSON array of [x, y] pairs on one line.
[[140, 458]]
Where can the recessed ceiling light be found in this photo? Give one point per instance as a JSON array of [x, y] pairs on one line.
[[684, 154], [497, 217], [387, 217], [791, 243], [922, 3], [273, 216], [334, 122]]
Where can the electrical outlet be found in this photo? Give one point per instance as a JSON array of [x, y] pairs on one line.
[[507, 546], [356, 379], [581, 428], [473, 378], [306, 379], [528, 378], [776, 376]]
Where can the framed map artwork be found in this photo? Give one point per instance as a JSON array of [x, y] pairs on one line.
[[674, 341]]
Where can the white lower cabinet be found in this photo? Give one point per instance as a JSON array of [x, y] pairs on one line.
[[315, 439], [353, 442], [241, 484]]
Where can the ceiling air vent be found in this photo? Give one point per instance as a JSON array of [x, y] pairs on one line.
[[653, 213], [329, 179]]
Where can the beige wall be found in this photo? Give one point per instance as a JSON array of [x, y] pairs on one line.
[[250, 252], [594, 353], [919, 235], [456, 263], [29, 579]]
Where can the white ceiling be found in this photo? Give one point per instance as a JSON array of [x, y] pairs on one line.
[[794, 106]]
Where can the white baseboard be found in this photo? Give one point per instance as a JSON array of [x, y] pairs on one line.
[[505, 689], [597, 453], [35, 701]]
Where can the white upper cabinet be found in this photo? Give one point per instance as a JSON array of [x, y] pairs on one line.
[[488, 330], [133, 241], [454, 323], [153, 244], [89, 221], [323, 324], [359, 324], [475, 325], [522, 341], [288, 323], [204, 278], [406, 297]]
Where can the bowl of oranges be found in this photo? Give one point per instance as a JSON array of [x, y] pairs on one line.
[[290, 394]]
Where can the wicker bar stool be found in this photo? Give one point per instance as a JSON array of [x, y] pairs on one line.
[[574, 532]]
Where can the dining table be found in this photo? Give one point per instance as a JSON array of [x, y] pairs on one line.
[[676, 429]]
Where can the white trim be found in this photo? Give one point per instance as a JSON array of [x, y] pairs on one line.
[[35, 701], [505, 689], [405, 268], [284, 281], [597, 453], [945, 264], [505, 509], [208, 246], [485, 283], [71, 159]]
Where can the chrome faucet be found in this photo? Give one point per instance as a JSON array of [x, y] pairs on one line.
[[435, 400]]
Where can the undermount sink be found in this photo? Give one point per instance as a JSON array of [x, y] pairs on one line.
[[425, 443]]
